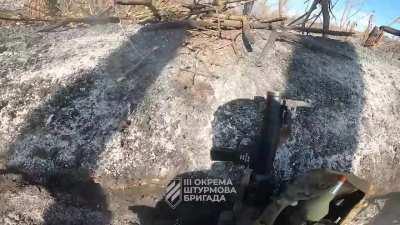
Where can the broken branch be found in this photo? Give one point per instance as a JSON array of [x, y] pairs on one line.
[[274, 20], [92, 20], [148, 3], [390, 30], [269, 45], [320, 31]]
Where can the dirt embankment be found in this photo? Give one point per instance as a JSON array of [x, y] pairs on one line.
[[77, 111]]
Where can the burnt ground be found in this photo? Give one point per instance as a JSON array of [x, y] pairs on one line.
[[87, 135]]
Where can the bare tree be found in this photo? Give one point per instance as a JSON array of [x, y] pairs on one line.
[[282, 5], [326, 9]]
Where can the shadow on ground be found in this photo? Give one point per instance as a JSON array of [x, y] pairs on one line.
[[325, 72], [195, 212], [67, 134]]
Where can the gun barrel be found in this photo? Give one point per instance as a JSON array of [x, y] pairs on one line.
[[270, 133]]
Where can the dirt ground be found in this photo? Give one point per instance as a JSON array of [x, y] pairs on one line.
[[96, 120]]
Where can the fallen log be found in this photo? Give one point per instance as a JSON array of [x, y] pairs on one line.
[[214, 21], [92, 20], [16, 16], [279, 19], [24, 19], [148, 3], [211, 23], [320, 31], [179, 24], [267, 26], [226, 16], [239, 1], [390, 30], [235, 25], [241, 18], [134, 2]]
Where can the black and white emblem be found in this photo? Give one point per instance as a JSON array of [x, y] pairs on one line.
[[173, 195]]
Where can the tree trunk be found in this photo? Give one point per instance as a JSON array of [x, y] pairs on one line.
[[325, 15]]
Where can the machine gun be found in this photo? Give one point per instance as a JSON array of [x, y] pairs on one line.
[[258, 194], [258, 183], [277, 118]]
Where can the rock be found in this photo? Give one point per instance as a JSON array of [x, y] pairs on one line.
[[13, 217]]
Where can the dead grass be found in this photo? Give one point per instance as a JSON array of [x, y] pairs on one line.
[[390, 46], [83, 8]]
